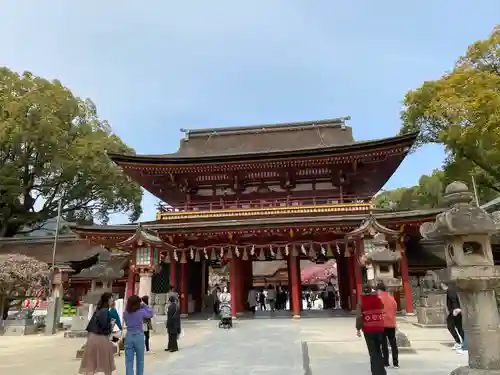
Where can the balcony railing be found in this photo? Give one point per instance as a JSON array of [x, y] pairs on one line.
[[263, 207]]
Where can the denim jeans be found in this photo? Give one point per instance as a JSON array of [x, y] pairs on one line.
[[134, 346], [465, 343]]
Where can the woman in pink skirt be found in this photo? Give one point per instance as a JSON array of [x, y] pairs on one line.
[[98, 356]]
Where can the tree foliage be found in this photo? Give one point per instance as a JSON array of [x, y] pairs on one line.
[[53, 147], [461, 111], [427, 194], [21, 275]]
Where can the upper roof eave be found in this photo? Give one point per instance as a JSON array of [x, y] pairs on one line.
[[174, 158], [398, 215], [143, 236]]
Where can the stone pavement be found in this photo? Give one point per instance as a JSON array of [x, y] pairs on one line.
[[308, 346], [253, 347], [49, 355]]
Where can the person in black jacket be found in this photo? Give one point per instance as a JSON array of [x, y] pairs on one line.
[[454, 318], [173, 325]]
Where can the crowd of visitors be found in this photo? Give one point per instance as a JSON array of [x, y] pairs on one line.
[[376, 319], [105, 334]]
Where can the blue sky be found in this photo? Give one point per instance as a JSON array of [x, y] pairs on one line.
[[153, 67]]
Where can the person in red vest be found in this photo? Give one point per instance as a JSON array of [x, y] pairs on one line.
[[390, 309], [370, 320]]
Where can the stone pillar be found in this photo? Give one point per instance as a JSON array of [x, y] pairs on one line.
[[295, 295], [145, 279], [403, 266], [466, 230], [183, 288], [233, 284]]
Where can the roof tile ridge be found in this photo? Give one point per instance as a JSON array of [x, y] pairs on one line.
[[249, 129]]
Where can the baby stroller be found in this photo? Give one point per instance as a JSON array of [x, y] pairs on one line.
[[226, 318]]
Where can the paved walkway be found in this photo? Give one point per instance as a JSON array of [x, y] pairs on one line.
[[258, 347], [309, 347]]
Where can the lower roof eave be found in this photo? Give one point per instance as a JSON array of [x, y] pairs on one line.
[[165, 226]]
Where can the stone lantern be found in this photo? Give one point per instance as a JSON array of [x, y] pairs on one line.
[[466, 230], [382, 259]]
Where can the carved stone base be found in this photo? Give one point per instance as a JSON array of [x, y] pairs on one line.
[[21, 327], [79, 352], [431, 317], [466, 370], [404, 344], [75, 334]]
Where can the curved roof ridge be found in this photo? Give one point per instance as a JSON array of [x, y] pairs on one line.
[[283, 126]]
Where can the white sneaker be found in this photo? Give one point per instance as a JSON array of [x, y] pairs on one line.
[[462, 351], [457, 346]]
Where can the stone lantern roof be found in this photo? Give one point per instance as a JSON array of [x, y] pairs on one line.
[[462, 218], [381, 254], [103, 269]]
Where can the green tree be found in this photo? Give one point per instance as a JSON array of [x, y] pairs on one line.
[[461, 110], [53, 147], [427, 194]]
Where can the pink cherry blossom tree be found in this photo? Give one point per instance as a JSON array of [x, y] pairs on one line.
[[20, 276]]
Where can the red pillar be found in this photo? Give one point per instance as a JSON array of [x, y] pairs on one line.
[[294, 268], [131, 275], [406, 278], [397, 298], [130, 281], [233, 285], [173, 274], [183, 289]]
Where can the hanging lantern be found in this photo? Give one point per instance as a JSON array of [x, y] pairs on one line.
[[245, 255], [252, 251], [294, 251], [221, 252], [183, 257], [262, 255], [329, 250], [229, 254], [166, 259], [278, 255], [236, 252], [323, 251], [213, 255], [143, 256], [197, 256], [312, 252], [286, 250], [271, 250], [176, 257], [337, 248], [191, 253], [205, 253], [303, 249]]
